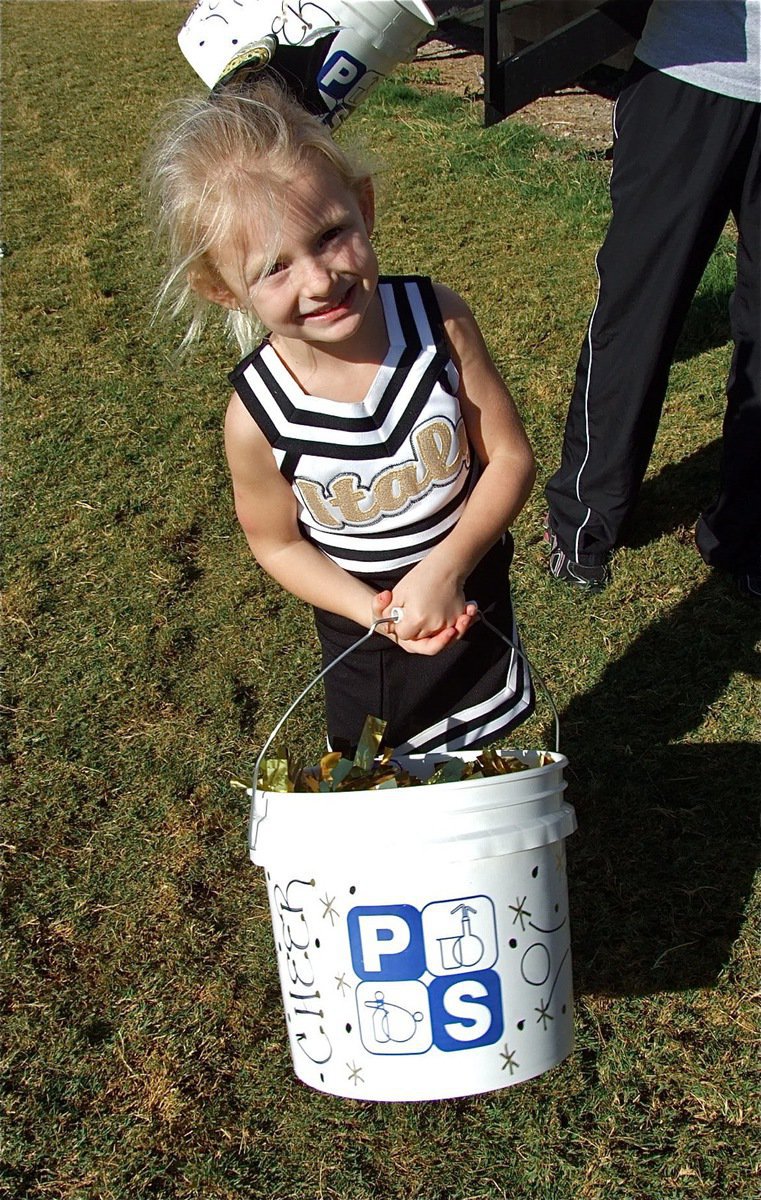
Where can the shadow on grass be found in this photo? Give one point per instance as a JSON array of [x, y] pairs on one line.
[[675, 497], [707, 325], [662, 864]]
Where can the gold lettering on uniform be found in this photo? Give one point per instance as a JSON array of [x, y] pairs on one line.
[[433, 445], [314, 499], [347, 498], [395, 486], [463, 444]]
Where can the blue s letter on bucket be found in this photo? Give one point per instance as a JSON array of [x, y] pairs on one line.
[[466, 1010]]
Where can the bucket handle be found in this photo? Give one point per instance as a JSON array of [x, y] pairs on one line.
[[256, 818]]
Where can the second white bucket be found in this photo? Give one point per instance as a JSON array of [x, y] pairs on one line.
[[422, 934]]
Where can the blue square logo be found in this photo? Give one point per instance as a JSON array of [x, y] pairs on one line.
[[386, 942], [466, 1010], [340, 73]]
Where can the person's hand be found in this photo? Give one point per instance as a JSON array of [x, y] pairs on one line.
[[422, 639], [381, 602], [432, 599]]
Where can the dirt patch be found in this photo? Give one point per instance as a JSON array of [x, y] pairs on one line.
[[581, 113]]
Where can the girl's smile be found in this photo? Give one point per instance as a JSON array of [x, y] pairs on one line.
[[335, 308]]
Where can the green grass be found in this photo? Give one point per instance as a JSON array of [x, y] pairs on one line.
[[142, 1046]]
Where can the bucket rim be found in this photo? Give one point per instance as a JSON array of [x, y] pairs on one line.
[[517, 788], [451, 845]]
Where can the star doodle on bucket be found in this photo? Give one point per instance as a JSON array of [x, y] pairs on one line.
[[544, 1014], [520, 911], [329, 911], [355, 1073], [560, 858], [341, 984], [509, 1057]]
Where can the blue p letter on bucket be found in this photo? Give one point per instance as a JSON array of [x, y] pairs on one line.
[[386, 942], [339, 74]]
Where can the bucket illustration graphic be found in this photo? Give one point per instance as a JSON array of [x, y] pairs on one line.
[[422, 933]]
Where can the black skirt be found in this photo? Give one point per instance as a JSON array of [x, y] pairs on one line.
[[471, 694]]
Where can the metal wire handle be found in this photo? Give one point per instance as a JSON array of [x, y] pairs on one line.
[[396, 615]]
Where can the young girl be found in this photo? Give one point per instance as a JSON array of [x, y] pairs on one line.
[[377, 459]]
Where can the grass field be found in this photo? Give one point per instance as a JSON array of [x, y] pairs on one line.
[[142, 1048]]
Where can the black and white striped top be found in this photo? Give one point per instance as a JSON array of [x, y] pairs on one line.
[[381, 481]]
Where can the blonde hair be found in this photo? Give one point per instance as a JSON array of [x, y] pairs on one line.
[[216, 159]]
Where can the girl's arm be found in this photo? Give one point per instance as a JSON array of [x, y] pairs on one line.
[[267, 511], [432, 591]]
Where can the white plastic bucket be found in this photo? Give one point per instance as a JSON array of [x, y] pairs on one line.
[[422, 933], [336, 49]]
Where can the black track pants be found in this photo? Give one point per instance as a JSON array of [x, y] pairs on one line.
[[684, 158]]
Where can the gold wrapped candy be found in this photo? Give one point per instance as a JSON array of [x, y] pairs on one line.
[[373, 768]]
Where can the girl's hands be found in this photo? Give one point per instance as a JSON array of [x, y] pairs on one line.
[[416, 634]]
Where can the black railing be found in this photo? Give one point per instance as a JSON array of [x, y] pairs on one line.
[[564, 55]]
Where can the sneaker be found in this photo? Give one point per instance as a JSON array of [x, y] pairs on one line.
[[749, 583], [588, 579]]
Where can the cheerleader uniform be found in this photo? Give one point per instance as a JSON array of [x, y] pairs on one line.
[[378, 484]]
